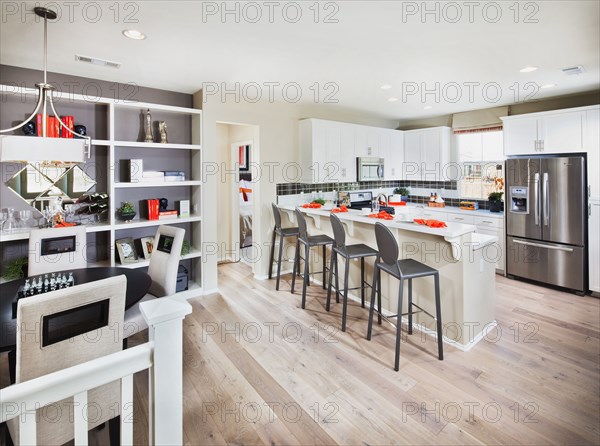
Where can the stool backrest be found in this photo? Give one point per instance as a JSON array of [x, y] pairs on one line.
[[386, 244], [303, 231], [339, 234], [276, 215]]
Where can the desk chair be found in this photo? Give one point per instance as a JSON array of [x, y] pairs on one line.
[[278, 230], [308, 241], [407, 269], [56, 249], [164, 264], [348, 253], [51, 340]]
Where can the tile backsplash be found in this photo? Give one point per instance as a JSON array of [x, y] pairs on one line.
[[420, 190], [296, 188]]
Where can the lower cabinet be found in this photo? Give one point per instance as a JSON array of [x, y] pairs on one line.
[[594, 246], [493, 226]]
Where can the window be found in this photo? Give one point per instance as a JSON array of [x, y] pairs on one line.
[[481, 156]]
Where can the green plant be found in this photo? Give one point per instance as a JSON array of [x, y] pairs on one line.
[[320, 201], [126, 208], [495, 196], [14, 269], [185, 248], [402, 191]]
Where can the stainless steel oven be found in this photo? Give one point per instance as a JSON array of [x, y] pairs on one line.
[[369, 169]]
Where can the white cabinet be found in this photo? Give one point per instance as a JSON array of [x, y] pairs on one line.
[[427, 153], [480, 147], [592, 146], [548, 132], [492, 226], [391, 149], [594, 246], [326, 151]]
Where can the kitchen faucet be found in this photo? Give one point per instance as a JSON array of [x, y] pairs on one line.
[[385, 200]]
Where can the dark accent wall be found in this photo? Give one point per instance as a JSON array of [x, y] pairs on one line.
[[129, 124]]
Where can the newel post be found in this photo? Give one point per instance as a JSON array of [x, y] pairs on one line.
[[164, 317]]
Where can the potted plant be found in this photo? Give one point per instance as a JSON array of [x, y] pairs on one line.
[[496, 203], [126, 212], [15, 269], [403, 192]]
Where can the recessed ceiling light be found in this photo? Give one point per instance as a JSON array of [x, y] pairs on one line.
[[134, 34], [528, 69], [548, 86], [427, 107], [386, 87], [392, 99]]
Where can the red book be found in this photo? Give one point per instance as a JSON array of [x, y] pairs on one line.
[[39, 125], [51, 127], [67, 121], [56, 124]]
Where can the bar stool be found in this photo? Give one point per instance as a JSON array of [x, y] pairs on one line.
[[407, 269], [282, 233], [308, 241], [358, 251]]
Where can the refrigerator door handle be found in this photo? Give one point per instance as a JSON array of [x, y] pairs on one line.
[[539, 245], [546, 198], [536, 189]]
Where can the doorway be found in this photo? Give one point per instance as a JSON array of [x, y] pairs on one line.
[[236, 151]]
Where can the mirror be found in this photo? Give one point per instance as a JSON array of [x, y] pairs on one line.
[[38, 186]]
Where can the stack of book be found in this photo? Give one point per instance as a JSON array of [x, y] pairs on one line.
[[53, 127], [174, 175], [152, 176], [153, 213], [167, 215]]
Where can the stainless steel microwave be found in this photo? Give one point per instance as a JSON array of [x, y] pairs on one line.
[[369, 169]]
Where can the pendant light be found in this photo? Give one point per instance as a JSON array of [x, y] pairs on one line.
[[44, 149]]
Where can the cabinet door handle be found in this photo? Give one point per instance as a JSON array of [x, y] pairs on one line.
[[487, 222], [457, 218]]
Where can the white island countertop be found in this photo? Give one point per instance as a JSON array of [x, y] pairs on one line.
[[452, 233]]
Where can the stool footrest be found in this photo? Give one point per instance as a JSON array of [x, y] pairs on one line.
[[421, 311]]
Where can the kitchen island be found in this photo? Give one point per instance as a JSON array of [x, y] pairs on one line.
[[465, 261]]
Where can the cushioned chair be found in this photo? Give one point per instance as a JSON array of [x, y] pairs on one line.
[[47, 250], [41, 351], [164, 264]]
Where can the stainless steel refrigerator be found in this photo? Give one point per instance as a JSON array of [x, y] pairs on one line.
[[546, 220]]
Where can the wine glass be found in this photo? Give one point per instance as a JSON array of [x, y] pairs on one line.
[[25, 217]]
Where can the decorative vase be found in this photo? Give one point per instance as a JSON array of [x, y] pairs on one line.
[[496, 206], [126, 216]]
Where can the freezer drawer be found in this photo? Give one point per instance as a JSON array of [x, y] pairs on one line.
[[550, 263]]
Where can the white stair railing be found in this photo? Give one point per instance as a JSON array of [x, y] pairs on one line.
[[162, 356]]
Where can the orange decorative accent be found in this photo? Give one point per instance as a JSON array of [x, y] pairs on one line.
[[430, 223], [432, 204], [397, 203]]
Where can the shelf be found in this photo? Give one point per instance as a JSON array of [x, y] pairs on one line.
[[157, 184], [100, 142], [157, 145], [148, 223], [23, 234], [158, 107], [194, 253]]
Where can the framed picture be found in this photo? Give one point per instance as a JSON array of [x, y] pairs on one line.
[[165, 242], [126, 250], [147, 246], [244, 158]]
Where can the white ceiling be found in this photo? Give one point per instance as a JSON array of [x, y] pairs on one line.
[[371, 45]]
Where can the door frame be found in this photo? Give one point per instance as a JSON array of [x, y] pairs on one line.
[[235, 197]]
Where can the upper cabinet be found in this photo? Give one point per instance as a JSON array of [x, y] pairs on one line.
[[480, 147], [427, 154], [548, 132], [591, 142], [328, 150]]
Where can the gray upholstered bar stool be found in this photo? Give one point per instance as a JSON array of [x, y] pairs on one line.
[[308, 241], [278, 230], [407, 269], [348, 252]]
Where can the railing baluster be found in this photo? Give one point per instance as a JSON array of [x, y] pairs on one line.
[[127, 410], [28, 428], [80, 418]]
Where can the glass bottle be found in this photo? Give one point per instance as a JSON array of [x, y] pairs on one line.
[[10, 224]]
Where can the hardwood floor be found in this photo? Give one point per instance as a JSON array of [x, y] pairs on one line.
[[260, 370]]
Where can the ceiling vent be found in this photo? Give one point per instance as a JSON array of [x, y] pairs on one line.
[[573, 70], [99, 62]]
